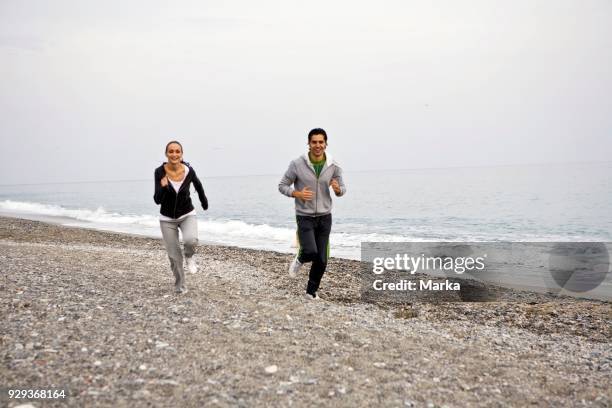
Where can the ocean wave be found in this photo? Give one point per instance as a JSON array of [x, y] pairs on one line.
[[264, 236], [99, 215], [222, 231]]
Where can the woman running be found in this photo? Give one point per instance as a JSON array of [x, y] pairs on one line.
[[172, 180]]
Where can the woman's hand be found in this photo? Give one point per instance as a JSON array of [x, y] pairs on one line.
[[164, 181]]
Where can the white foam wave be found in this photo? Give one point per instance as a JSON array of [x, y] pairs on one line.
[[240, 229], [258, 236], [223, 231], [99, 215]]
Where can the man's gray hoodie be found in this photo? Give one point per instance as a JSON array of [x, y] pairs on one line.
[[302, 174]]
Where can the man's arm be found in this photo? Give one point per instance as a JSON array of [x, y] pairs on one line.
[[285, 184], [338, 178]]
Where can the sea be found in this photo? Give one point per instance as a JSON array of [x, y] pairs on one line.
[[549, 203], [528, 203]]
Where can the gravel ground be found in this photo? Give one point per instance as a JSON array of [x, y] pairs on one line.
[[94, 313]]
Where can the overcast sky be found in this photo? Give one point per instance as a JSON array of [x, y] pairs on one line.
[[92, 90]]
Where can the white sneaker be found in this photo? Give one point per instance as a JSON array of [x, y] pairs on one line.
[[295, 266], [191, 265], [312, 298]]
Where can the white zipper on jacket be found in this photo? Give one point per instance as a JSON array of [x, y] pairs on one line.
[[177, 193], [328, 164]]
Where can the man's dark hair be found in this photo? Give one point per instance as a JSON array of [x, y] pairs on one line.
[[317, 131]]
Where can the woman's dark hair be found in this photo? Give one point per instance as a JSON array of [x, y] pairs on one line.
[[173, 141], [315, 131]]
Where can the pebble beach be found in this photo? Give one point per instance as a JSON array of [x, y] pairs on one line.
[[94, 313]]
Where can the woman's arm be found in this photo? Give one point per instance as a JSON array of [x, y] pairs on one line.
[[160, 191], [200, 189]]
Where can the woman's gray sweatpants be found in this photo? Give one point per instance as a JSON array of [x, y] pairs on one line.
[[170, 233]]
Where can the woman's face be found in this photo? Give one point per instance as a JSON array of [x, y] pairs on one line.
[[174, 153]]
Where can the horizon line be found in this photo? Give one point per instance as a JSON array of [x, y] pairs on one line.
[[351, 171]]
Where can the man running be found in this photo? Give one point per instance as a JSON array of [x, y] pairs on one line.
[[312, 175]]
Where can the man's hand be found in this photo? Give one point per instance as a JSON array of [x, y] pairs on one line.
[[164, 181], [335, 186], [304, 195]]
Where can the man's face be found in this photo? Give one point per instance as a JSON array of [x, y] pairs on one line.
[[317, 145]]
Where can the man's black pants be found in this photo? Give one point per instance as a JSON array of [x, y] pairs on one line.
[[313, 236]]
